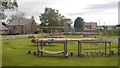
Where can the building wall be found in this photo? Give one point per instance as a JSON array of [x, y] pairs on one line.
[[4, 32], [90, 26], [14, 29], [22, 29], [29, 28]]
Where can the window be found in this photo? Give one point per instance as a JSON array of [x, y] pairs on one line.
[[13, 27], [22, 26]]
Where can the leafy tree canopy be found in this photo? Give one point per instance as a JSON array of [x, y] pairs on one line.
[[52, 17], [8, 4], [79, 23]]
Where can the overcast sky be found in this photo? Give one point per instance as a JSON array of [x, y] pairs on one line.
[[103, 11]]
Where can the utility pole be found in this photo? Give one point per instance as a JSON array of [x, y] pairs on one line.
[[99, 26]]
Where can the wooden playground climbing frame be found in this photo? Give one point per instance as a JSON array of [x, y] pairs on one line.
[[40, 43], [40, 46], [96, 41]]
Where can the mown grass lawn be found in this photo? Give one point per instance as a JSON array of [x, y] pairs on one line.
[[105, 36], [14, 54], [0, 52]]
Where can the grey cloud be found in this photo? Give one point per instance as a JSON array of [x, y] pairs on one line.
[[35, 7], [86, 12], [31, 8], [110, 5], [96, 8]]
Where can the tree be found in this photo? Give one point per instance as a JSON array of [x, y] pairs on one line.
[[67, 27], [7, 5], [2, 16], [79, 24], [17, 15], [52, 17]]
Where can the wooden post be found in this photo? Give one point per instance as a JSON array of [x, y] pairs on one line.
[[37, 49], [65, 48], [41, 45], [109, 49], [41, 31], [105, 48], [119, 46], [51, 31], [79, 49]]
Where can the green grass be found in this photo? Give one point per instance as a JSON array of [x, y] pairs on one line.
[[14, 54], [106, 36], [0, 52]]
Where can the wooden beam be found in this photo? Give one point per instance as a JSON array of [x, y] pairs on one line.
[[94, 41], [41, 45], [79, 49], [109, 49], [38, 48], [105, 48], [65, 48]]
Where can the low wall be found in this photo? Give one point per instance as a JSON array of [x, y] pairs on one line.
[[17, 36]]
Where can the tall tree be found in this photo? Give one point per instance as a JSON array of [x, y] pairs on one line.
[[79, 24], [52, 17], [17, 15], [7, 4]]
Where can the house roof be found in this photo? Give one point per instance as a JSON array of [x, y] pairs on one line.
[[2, 27], [19, 21]]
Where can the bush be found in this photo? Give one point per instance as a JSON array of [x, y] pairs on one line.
[[36, 32], [111, 32]]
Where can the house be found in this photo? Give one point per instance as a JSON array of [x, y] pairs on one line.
[[118, 26], [111, 27], [90, 26], [3, 29], [107, 27], [20, 25]]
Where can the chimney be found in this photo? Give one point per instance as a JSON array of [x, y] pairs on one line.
[[32, 17]]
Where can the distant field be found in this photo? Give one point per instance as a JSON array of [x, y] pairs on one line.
[[14, 54]]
